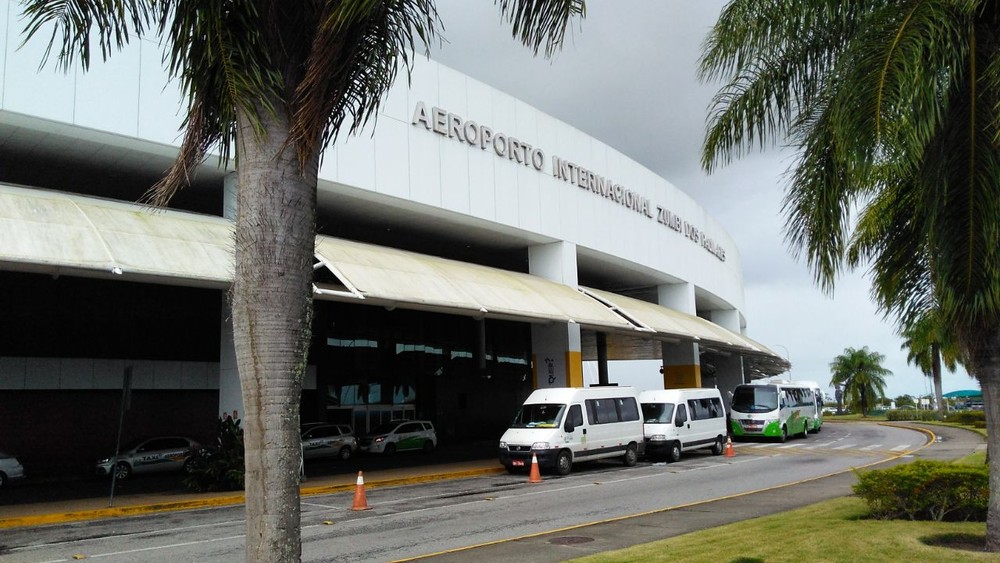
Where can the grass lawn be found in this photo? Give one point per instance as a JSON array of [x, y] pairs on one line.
[[833, 530]]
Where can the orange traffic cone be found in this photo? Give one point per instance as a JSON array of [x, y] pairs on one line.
[[535, 476], [360, 502], [729, 447]]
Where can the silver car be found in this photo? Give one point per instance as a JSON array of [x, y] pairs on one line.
[[328, 440], [10, 469], [163, 453]]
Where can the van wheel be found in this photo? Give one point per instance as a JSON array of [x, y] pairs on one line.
[[717, 446], [631, 455], [563, 463], [674, 455]]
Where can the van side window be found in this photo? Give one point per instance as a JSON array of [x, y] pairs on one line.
[[575, 416], [717, 410], [682, 416], [705, 409], [628, 408]]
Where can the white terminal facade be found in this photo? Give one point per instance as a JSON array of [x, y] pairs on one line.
[[471, 248]]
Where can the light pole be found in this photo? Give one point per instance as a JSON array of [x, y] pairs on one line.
[[788, 357]]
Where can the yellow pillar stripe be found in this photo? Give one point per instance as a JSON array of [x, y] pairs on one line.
[[574, 368], [680, 377]]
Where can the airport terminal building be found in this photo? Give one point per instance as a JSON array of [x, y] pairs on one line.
[[471, 248]]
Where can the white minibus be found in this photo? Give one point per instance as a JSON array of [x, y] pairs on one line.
[[680, 420], [565, 425]]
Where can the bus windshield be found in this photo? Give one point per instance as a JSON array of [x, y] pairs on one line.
[[539, 415], [755, 398], [658, 413]]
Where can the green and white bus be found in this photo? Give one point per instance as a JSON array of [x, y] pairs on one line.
[[776, 409]]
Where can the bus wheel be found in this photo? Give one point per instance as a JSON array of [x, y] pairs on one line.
[[805, 429], [675, 452], [563, 463], [784, 434]]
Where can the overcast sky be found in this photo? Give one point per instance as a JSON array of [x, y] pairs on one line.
[[627, 76]]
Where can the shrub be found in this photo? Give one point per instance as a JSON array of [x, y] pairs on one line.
[[219, 467], [968, 418], [926, 490], [911, 414]]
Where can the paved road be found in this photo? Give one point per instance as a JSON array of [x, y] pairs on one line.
[[948, 443], [412, 521]]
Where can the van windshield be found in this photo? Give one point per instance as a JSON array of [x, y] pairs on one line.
[[755, 398], [658, 413], [539, 415]]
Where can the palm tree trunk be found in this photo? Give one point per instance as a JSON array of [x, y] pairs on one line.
[[936, 374], [272, 311], [986, 367]]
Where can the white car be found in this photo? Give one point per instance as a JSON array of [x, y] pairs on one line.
[[328, 440], [163, 453], [400, 435], [10, 469]]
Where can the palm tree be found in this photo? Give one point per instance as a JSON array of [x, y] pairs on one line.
[[928, 345], [861, 375], [273, 82], [893, 107]]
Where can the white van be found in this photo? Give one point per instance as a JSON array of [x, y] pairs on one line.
[[565, 425], [680, 420]]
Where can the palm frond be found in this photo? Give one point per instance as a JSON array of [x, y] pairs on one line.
[[115, 22], [538, 22], [353, 60]]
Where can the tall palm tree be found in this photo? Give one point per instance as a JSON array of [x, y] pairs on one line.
[[929, 346], [272, 83], [893, 107], [861, 375]]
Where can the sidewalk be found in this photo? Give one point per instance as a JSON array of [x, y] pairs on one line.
[[37, 514]]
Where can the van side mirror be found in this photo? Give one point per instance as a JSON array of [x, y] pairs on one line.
[[568, 426], [680, 419]]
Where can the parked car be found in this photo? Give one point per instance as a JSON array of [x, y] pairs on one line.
[[162, 453], [328, 440], [400, 435], [10, 469]]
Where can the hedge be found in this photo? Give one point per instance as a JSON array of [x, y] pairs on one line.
[[926, 490], [911, 414]]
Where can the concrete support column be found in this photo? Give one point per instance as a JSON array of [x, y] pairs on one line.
[[728, 319], [728, 373], [681, 362], [728, 369], [557, 360], [230, 390]]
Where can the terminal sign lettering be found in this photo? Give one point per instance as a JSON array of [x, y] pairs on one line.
[[523, 153]]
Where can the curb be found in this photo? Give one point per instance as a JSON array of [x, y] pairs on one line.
[[225, 500]]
